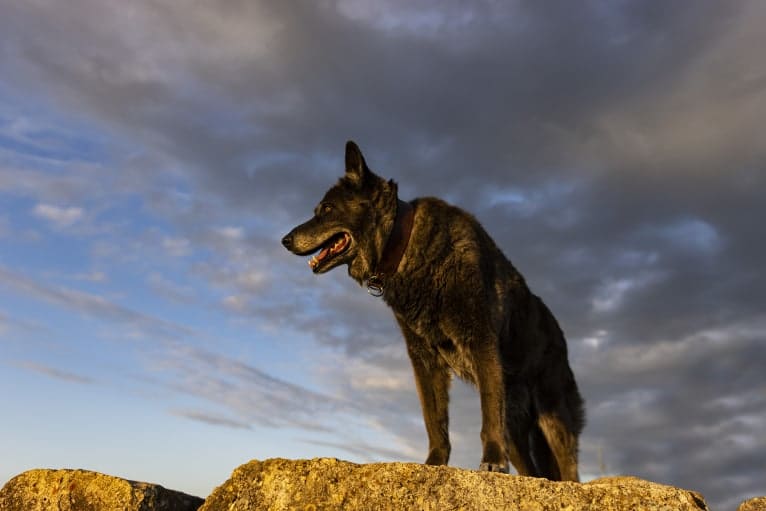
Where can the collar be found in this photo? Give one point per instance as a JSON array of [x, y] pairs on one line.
[[394, 249]]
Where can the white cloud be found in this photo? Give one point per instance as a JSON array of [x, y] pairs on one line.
[[59, 216], [210, 419], [94, 276], [95, 306], [252, 280], [235, 303], [56, 373], [231, 233], [693, 234], [611, 295], [170, 289], [381, 369], [365, 376], [597, 339], [668, 355], [176, 247]]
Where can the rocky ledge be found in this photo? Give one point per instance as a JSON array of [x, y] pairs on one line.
[[82, 490], [325, 484], [330, 484]]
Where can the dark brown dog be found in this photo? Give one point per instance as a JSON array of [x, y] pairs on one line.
[[462, 307]]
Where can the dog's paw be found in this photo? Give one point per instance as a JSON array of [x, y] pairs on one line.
[[493, 467], [438, 456]]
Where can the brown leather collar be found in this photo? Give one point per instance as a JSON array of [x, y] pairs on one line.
[[394, 249]]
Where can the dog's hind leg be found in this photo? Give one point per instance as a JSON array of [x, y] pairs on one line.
[[561, 419], [543, 457], [562, 442], [518, 425]]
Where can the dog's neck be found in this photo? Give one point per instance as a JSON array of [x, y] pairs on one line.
[[394, 249]]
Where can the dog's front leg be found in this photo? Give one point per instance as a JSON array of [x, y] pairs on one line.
[[432, 380], [491, 391]]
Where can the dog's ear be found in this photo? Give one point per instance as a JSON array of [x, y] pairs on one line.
[[356, 168]]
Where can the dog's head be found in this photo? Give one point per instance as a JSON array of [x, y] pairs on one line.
[[351, 223]]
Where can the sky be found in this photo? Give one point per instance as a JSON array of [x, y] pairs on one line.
[[153, 154]]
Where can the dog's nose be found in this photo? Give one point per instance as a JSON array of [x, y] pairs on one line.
[[287, 241]]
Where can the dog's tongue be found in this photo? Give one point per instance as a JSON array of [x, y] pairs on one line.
[[314, 261]]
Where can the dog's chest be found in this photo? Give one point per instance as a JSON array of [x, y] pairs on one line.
[[457, 357]]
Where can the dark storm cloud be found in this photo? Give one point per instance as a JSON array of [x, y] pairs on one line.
[[495, 97], [613, 149]]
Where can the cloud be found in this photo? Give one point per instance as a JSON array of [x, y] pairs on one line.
[[59, 216], [249, 394], [176, 247], [365, 451], [9, 323], [659, 408], [93, 276], [693, 234], [235, 303], [611, 295], [56, 373], [209, 419], [231, 233], [94, 306], [169, 289]]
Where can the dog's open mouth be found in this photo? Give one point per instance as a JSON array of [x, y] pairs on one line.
[[333, 247]]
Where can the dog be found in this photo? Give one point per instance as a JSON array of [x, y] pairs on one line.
[[464, 309]]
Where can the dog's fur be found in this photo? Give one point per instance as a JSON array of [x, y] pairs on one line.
[[461, 306]]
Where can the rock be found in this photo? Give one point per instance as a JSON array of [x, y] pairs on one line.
[[80, 490], [325, 484], [756, 504]]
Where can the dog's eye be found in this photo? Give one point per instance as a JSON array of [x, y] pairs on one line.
[[326, 208]]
